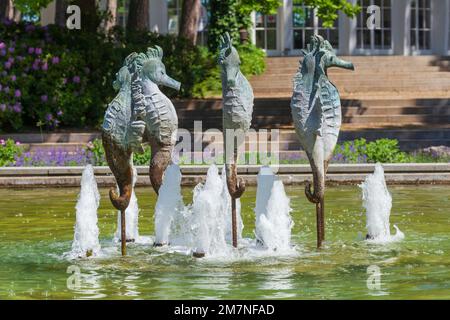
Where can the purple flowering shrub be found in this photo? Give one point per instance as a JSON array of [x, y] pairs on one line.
[[45, 78], [55, 76]]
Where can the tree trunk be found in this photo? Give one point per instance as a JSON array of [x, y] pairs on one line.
[[6, 9], [111, 7], [60, 13], [190, 17], [90, 19], [16, 15], [138, 15]]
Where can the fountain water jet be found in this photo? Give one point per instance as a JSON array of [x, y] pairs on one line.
[[378, 204], [207, 215], [86, 241], [203, 226], [169, 203], [273, 221]]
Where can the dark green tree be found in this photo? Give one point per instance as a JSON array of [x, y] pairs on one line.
[[224, 18], [328, 10]]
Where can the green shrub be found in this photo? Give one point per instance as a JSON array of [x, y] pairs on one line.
[[9, 150], [385, 151], [252, 59], [95, 148], [351, 151], [97, 154], [381, 150], [142, 159], [252, 63]]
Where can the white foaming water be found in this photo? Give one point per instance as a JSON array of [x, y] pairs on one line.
[[169, 203], [378, 204], [273, 220], [208, 215], [86, 241], [131, 216], [205, 225]]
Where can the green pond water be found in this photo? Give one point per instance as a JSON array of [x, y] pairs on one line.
[[36, 228]]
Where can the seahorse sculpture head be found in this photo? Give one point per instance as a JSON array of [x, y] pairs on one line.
[[319, 56], [228, 60], [152, 68]]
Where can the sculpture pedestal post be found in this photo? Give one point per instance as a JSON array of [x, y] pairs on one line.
[[233, 221], [123, 234], [320, 216]]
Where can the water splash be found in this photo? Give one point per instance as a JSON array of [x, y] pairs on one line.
[[208, 215], [131, 216], [86, 241], [273, 220], [169, 203], [378, 204], [203, 226]]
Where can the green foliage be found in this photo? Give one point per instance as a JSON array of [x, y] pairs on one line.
[[9, 150], [142, 159], [381, 150], [252, 59], [385, 150], [232, 15], [351, 151], [97, 152], [224, 18], [31, 7], [246, 7], [263, 6], [328, 10]]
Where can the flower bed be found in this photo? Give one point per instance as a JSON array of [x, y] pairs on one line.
[[357, 151]]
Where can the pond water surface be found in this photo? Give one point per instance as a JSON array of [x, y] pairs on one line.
[[36, 228]]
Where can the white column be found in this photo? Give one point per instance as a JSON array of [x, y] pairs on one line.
[[347, 34], [253, 29], [401, 26], [439, 26], [280, 28], [48, 14], [288, 27], [158, 16]]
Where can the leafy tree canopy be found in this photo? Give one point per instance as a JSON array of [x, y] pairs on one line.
[[328, 10], [31, 7]]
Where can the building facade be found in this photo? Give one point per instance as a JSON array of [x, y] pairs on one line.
[[404, 27]]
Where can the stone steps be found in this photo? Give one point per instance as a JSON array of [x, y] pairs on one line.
[[409, 139], [387, 76]]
